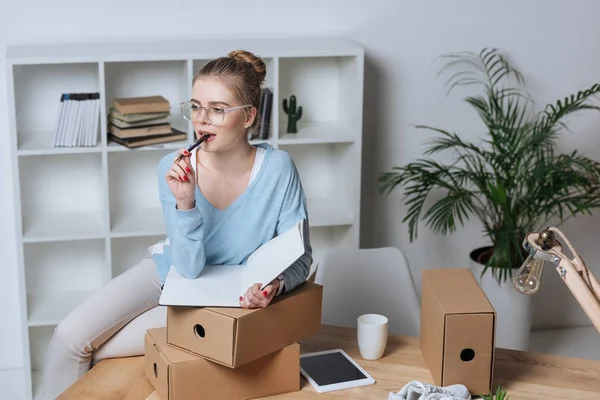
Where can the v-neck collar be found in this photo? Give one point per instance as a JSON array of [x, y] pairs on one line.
[[200, 195]]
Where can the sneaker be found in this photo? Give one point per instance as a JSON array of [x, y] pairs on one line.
[[438, 396], [416, 390]]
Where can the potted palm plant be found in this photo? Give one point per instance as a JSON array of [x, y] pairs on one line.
[[513, 181]]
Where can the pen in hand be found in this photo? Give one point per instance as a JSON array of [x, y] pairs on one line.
[[193, 146]]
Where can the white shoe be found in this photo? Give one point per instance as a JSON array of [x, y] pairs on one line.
[[416, 390], [438, 396]]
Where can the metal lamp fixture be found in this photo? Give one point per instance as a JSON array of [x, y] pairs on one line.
[[575, 274]]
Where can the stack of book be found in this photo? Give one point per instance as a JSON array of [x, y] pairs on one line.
[[77, 120], [141, 121]]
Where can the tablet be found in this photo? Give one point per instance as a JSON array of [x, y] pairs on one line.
[[331, 370]]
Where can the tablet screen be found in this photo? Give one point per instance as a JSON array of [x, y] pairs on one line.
[[330, 368]]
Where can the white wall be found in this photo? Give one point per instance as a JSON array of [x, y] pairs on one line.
[[553, 42]]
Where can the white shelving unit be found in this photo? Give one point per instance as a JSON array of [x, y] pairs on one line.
[[86, 214]]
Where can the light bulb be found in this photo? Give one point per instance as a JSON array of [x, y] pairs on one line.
[[529, 277]]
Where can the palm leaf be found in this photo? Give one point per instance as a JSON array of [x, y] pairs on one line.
[[514, 180]]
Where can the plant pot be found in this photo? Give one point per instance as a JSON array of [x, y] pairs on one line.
[[514, 311]]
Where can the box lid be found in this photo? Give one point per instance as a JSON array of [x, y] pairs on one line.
[[452, 288]]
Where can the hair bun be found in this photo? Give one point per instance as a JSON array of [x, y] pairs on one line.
[[257, 63]]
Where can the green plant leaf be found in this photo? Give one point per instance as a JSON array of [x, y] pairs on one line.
[[514, 180], [499, 394]]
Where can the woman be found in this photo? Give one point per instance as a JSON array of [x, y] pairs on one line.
[[220, 203]]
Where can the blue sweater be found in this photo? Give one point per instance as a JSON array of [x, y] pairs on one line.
[[272, 203]]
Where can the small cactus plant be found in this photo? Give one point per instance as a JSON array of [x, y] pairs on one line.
[[294, 114]]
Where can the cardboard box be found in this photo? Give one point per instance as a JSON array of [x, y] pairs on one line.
[[457, 329], [236, 336], [177, 374]]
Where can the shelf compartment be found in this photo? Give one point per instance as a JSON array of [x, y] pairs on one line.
[[62, 197], [143, 221], [135, 208], [329, 90], [329, 178], [59, 275], [38, 89], [318, 132], [50, 227], [128, 252], [149, 78], [39, 342], [50, 309]]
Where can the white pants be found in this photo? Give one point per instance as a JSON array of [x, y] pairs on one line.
[[111, 323]]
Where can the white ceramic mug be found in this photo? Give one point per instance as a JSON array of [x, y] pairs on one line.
[[372, 334]]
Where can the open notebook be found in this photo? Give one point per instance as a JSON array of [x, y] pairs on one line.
[[222, 285]]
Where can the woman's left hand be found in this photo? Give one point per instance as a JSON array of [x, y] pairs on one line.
[[255, 298]]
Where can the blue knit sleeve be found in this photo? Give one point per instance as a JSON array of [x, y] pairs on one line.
[[294, 209], [185, 228]]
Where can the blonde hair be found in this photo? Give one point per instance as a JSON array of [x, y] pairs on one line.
[[244, 74]]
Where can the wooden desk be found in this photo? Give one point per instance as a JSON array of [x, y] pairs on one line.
[[527, 376]]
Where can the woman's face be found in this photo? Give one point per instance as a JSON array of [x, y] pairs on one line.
[[227, 128]]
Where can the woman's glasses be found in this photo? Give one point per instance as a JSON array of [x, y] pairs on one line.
[[215, 115]]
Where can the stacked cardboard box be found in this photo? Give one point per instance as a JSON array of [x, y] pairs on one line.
[[141, 121], [233, 353]]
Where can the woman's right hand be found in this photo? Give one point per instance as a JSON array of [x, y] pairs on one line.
[[182, 181]]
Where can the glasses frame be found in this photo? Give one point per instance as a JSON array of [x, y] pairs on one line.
[[225, 111]]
